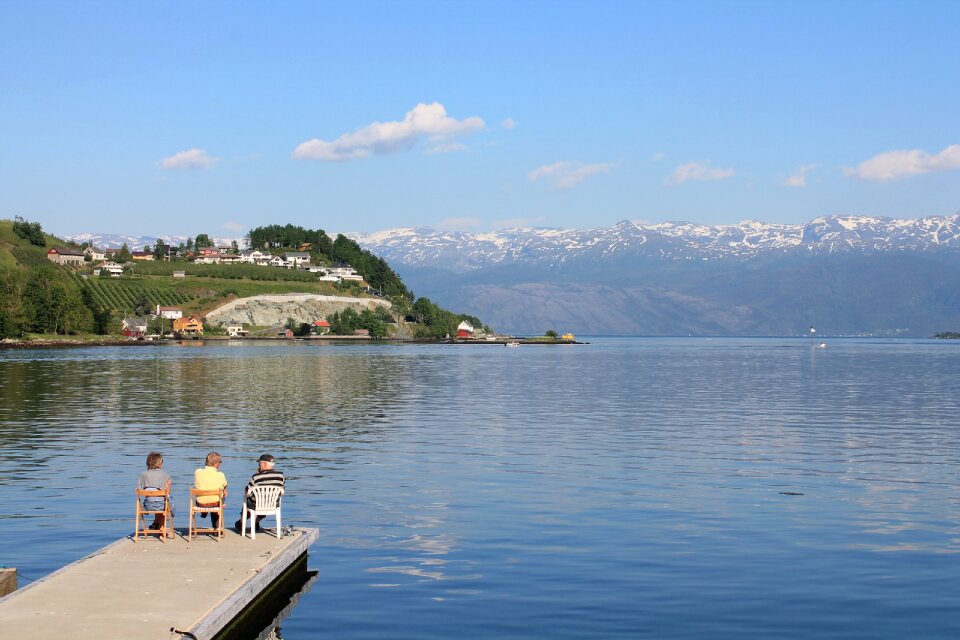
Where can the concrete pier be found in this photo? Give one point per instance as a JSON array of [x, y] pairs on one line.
[[144, 589]]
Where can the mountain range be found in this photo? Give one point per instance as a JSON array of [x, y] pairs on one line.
[[846, 275]]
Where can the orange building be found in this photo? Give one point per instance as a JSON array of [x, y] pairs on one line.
[[186, 327]]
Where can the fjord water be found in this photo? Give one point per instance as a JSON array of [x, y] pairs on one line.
[[660, 488]]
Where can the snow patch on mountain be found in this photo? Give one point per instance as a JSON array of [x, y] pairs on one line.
[[678, 241]]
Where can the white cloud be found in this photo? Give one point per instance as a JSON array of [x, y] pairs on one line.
[[508, 123], [564, 175], [698, 171], [423, 121], [658, 156], [894, 165], [231, 225], [189, 159], [799, 177], [458, 224]]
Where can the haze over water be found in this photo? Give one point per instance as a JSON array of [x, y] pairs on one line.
[[625, 488]]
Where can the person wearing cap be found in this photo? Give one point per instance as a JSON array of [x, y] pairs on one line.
[[266, 475]]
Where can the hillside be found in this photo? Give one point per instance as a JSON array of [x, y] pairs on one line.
[[37, 296]]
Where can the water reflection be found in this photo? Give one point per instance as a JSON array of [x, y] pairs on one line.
[[613, 489]]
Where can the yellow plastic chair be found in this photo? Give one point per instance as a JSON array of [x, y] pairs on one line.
[[266, 502], [141, 529], [196, 509]]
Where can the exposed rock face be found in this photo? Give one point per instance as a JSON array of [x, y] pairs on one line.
[[268, 310]]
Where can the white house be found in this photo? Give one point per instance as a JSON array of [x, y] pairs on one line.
[[277, 261], [343, 271], [254, 256], [237, 331], [95, 254], [109, 267], [171, 313], [210, 258], [297, 258]]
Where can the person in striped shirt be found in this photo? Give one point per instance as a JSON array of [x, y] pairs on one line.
[[266, 475]]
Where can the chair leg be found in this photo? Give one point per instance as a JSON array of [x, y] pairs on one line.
[[279, 528], [243, 519], [253, 524]]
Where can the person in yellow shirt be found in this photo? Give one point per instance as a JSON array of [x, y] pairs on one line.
[[207, 478]]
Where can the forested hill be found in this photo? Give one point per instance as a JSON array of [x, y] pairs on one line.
[[374, 269], [40, 297]]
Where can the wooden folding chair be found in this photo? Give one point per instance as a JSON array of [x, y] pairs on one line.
[[196, 509], [140, 524]]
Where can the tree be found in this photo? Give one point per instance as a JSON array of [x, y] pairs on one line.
[[550, 333], [30, 231], [160, 250], [123, 255], [234, 247], [11, 309], [203, 240], [52, 303], [189, 244]]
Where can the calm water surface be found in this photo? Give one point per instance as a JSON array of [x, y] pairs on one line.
[[622, 489]]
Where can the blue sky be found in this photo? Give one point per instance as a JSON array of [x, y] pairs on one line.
[[215, 117]]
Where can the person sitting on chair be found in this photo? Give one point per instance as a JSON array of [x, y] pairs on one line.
[[266, 475], [210, 478], [155, 479]]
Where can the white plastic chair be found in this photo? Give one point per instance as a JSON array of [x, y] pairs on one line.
[[266, 502]]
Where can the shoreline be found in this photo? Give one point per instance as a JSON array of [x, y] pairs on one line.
[[61, 342]]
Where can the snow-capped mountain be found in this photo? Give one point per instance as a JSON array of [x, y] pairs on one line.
[[679, 241], [854, 275], [117, 240]]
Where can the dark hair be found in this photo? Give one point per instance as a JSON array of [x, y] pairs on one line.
[[154, 459], [267, 458]]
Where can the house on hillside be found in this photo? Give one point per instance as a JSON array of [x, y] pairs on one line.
[[207, 255], [171, 313], [230, 258], [343, 271], [142, 256], [62, 255], [296, 259], [276, 261], [109, 268], [320, 327], [254, 256], [95, 254], [134, 327]]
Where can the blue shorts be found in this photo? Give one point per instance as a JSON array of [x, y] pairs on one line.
[[155, 503]]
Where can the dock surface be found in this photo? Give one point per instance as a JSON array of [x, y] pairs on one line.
[[143, 589]]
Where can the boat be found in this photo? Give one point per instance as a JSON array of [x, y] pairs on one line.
[[512, 343]]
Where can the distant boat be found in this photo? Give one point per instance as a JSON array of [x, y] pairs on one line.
[[813, 335], [512, 344]]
